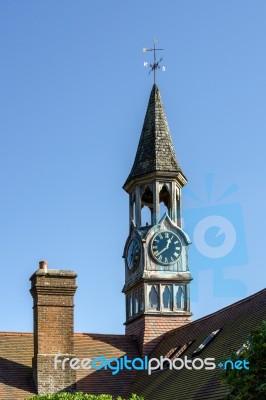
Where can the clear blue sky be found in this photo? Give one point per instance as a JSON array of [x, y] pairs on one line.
[[73, 95]]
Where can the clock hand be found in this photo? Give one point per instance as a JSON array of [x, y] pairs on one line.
[[168, 243], [131, 255], [166, 247]]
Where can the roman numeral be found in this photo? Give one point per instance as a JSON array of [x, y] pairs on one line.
[[166, 235], [166, 259]]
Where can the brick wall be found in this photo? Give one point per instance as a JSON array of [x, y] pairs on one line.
[[149, 329], [53, 306]]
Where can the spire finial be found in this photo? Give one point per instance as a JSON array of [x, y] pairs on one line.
[[156, 64]]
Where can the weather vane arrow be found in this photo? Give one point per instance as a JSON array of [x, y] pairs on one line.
[[156, 64]]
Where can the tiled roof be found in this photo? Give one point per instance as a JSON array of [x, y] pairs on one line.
[[235, 321], [16, 351], [102, 381], [155, 150]]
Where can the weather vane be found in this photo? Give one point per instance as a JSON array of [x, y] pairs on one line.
[[156, 64]]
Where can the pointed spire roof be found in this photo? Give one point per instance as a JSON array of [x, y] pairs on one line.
[[155, 150]]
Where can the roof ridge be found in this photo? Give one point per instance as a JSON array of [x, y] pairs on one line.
[[4, 333], [119, 335]]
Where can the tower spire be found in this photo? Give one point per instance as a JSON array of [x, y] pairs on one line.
[[155, 150], [157, 275]]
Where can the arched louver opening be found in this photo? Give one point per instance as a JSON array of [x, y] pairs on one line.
[[164, 201], [146, 207]]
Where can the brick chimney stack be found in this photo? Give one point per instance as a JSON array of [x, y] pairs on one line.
[[53, 310]]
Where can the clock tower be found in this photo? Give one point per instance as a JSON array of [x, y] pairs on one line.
[[157, 273]]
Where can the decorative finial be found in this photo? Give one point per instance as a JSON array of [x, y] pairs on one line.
[[156, 64]]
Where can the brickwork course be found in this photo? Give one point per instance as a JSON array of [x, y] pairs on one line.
[[150, 329]]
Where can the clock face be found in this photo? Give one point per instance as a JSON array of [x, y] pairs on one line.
[[133, 254], [166, 247]]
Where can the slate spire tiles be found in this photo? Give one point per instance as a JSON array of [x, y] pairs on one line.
[[155, 150]]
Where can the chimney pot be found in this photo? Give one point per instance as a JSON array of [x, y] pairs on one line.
[[43, 265]]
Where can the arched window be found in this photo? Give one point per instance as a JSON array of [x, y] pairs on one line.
[[145, 216], [132, 216], [136, 302], [133, 211], [180, 297], [167, 298], [141, 299], [153, 298], [146, 207], [129, 306], [178, 213], [164, 201], [163, 210]]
